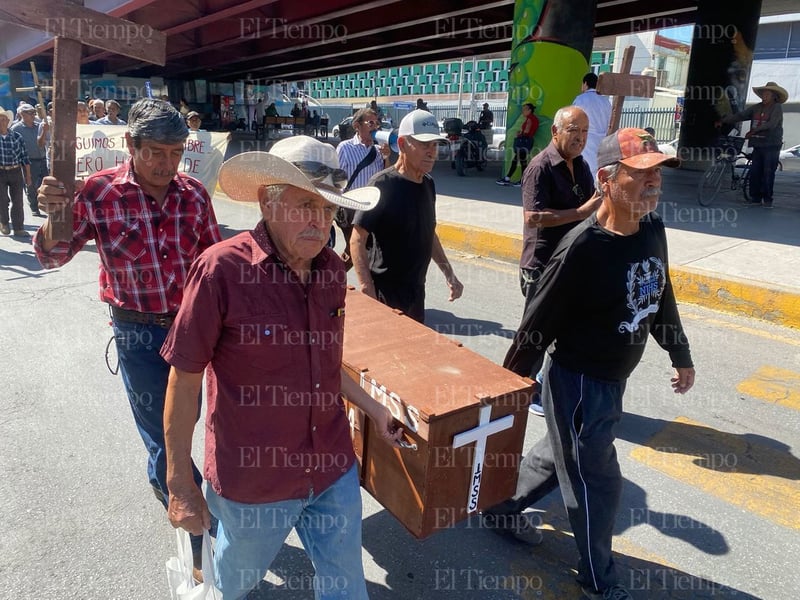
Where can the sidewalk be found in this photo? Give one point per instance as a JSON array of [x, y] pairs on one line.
[[727, 256]]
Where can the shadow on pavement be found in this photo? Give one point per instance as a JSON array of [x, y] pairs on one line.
[[449, 324], [712, 449]]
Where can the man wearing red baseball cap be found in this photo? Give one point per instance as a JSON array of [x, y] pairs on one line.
[[604, 291]]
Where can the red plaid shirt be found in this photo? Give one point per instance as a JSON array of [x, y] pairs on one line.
[[145, 249]]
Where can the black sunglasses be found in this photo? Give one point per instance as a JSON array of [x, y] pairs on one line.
[[317, 172]]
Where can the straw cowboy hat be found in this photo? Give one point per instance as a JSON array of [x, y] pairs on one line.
[[7, 114], [300, 161], [771, 86]]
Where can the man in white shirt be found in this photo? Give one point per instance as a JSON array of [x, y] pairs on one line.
[[598, 109], [351, 153]]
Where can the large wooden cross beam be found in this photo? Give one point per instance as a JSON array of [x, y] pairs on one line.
[[624, 84], [73, 25]]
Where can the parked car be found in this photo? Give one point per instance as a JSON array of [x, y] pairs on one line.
[[670, 148], [790, 153], [344, 129], [498, 138]]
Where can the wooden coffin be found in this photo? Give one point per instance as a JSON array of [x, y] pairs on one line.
[[465, 414]]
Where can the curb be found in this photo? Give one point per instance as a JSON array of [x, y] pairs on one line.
[[752, 299]]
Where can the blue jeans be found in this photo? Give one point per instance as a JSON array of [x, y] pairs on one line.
[[329, 525], [762, 173], [144, 374]]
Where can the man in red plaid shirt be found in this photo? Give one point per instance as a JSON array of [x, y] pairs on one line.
[[149, 223]]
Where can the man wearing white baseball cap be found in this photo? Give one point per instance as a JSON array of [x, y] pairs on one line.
[[403, 226], [264, 311]]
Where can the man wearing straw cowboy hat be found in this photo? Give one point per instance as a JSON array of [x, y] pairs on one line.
[[263, 316], [766, 138]]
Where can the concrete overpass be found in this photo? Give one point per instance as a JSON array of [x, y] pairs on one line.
[[279, 40]]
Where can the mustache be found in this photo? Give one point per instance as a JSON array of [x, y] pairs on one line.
[[314, 235], [652, 192]]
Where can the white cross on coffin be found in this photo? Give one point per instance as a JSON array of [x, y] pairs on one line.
[[478, 435]]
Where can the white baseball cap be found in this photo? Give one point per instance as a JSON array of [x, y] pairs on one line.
[[422, 126]]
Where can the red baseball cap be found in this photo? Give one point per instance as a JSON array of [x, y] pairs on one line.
[[633, 148]]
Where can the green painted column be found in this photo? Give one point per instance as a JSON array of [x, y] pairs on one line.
[[723, 41], [551, 49]]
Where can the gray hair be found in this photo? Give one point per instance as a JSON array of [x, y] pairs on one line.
[[112, 102], [271, 193], [611, 172], [560, 116], [156, 121]]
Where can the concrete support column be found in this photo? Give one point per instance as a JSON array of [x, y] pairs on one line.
[[551, 50], [719, 71]]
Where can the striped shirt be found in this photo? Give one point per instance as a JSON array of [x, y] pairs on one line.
[[145, 249], [351, 153], [12, 150]]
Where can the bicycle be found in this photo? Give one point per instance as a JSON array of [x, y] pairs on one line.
[[724, 167]]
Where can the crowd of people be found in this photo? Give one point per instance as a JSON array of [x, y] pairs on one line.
[[589, 228]]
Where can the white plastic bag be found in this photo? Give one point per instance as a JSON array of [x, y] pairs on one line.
[[179, 571]]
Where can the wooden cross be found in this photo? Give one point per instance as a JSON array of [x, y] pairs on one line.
[[41, 109], [624, 84], [73, 25]]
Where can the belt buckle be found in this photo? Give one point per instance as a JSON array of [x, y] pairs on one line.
[[163, 321]]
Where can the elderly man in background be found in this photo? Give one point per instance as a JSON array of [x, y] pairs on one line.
[[403, 225], [264, 318], [112, 118], [97, 109], [361, 158], [28, 129], [149, 223], [15, 171], [557, 190]]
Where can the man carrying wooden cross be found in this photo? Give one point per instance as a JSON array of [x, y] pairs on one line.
[[150, 223]]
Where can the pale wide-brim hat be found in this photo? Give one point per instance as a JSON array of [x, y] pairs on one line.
[[771, 86], [300, 161], [7, 114]]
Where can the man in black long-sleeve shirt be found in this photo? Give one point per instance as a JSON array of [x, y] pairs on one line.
[[605, 289]]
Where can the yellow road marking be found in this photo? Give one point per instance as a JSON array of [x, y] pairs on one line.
[[771, 384], [687, 313], [755, 477]]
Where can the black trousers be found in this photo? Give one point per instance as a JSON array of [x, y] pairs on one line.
[[578, 455], [11, 185]]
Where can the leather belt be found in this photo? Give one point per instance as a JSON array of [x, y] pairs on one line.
[[9, 168], [134, 316]]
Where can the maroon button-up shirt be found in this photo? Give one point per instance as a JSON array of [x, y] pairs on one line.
[[275, 423]]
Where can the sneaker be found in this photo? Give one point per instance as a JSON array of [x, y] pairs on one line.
[[503, 181], [21, 233], [517, 183], [536, 408], [615, 592], [4, 229], [519, 526], [766, 204]]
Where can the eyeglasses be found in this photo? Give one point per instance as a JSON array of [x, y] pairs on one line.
[[371, 123], [578, 191], [317, 172]]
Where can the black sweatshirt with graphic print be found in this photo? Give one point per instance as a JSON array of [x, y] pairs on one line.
[[601, 296]]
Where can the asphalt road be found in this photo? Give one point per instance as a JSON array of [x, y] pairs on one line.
[[712, 479]]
